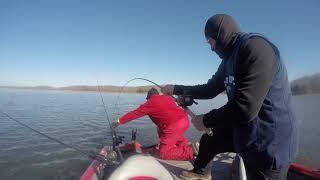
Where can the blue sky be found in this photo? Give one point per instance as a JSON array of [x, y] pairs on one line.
[[66, 42]]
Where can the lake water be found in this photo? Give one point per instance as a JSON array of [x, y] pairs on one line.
[[78, 118]]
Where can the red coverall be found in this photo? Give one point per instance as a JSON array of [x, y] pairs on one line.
[[172, 122]]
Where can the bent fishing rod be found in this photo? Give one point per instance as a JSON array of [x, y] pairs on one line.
[[88, 154], [126, 83], [209, 131]]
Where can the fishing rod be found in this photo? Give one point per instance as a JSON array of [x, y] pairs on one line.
[[125, 84], [209, 131], [105, 110], [116, 140], [88, 154]]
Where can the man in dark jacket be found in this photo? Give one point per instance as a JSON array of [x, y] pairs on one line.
[[257, 122]]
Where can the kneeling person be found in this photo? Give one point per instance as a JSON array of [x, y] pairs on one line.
[[171, 120]]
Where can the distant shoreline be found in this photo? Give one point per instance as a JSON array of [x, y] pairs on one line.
[[105, 89], [307, 85], [109, 89]]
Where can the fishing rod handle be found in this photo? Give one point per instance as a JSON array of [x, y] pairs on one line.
[[208, 131]]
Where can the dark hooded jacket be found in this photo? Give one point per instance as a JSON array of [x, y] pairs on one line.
[[259, 97]]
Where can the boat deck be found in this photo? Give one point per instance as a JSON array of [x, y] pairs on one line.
[[221, 166]]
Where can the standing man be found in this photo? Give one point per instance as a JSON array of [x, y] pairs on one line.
[[172, 122], [257, 122]]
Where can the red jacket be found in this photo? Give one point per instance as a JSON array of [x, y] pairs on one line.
[[162, 110]]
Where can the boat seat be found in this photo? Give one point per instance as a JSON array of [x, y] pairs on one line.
[[141, 166]]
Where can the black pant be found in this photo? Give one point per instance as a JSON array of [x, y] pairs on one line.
[[222, 141]]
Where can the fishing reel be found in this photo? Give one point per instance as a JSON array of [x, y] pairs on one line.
[[185, 100], [117, 139], [110, 157], [134, 134]]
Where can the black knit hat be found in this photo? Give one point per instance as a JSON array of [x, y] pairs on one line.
[[151, 92], [223, 28]]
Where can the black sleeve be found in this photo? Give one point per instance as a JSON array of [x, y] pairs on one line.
[[210, 90], [255, 68]]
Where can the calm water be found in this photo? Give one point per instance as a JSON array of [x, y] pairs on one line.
[[78, 118]]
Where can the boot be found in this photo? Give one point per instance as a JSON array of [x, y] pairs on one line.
[[195, 175]]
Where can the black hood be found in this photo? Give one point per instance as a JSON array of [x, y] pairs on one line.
[[224, 29]]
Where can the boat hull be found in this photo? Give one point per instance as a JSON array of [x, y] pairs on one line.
[[221, 165]]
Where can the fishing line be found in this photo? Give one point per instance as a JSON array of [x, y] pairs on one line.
[[91, 155], [125, 84]]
